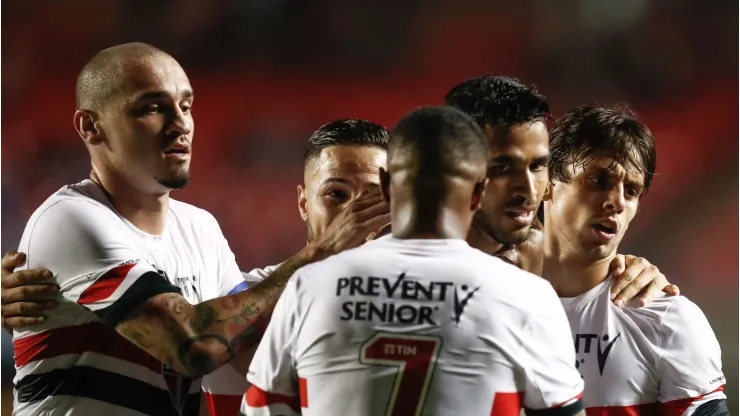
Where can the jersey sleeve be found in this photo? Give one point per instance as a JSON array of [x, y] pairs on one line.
[[230, 278], [92, 259], [274, 381], [690, 364], [553, 385]]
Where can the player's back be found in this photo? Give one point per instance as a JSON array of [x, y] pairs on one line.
[[430, 327]]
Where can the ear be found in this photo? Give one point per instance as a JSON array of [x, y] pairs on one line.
[[385, 184], [479, 192], [302, 199], [87, 127], [548, 191]]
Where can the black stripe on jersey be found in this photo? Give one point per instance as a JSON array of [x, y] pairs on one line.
[[716, 407], [147, 286], [106, 387], [568, 410]]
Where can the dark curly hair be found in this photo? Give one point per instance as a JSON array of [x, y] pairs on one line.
[[498, 101], [590, 129]]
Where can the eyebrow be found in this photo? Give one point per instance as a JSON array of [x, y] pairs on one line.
[[516, 159], [162, 94], [335, 179]]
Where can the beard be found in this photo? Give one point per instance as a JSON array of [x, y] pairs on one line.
[[176, 181], [310, 234], [518, 236]]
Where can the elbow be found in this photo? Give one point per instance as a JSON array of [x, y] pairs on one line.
[[203, 354]]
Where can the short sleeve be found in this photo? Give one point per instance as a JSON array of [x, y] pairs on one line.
[[275, 387], [230, 278], [690, 365], [553, 384], [92, 258]]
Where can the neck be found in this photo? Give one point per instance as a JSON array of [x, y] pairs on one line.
[[570, 273], [477, 238], [413, 222], [148, 212]]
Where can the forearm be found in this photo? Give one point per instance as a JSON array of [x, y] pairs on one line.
[[197, 339]]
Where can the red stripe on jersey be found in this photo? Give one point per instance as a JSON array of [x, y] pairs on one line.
[[256, 397], [303, 391], [507, 404], [677, 407], [634, 410], [223, 404], [570, 401], [105, 285], [78, 339]]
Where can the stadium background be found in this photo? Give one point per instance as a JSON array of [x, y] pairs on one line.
[[268, 72]]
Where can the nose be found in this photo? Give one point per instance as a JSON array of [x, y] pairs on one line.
[[181, 123], [524, 186], [615, 201]]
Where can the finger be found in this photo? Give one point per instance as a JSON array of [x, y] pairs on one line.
[[26, 309], [26, 277], [26, 293], [365, 201], [672, 290], [630, 286], [19, 321], [13, 259], [380, 208], [650, 292], [368, 227]]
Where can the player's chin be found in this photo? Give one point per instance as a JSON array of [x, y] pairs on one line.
[[176, 179], [513, 234]]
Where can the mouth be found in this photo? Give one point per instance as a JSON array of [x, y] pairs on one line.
[[606, 229], [521, 216], [178, 151]]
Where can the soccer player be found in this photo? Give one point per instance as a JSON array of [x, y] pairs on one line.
[[513, 116], [341, 166], [662, 358], [129, 262], [418, 323]]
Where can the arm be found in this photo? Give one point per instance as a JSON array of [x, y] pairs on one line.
[[690, 363], [553, 385], [635, 276]]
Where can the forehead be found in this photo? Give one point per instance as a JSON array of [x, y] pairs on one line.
[[159, 73], [607, 164], [522, 141], [353, 163]]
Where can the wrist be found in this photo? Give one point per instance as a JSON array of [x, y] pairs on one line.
[[313, 252]]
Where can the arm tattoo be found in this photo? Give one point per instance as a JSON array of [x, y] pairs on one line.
[[197, 339]]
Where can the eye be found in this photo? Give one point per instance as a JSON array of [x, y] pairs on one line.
[[537, 166], [634, 192], [151, 108], [498, 169], [336, 194], [186, 108]]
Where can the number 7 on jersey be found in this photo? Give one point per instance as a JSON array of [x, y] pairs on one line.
[[415, 356]]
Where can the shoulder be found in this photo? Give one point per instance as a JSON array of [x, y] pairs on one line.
[[520, 286], [195, 218], [685, 317]]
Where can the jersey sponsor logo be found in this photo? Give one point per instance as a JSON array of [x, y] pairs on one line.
[[583, 344], [459, 305], [186, 284], [395, 290]]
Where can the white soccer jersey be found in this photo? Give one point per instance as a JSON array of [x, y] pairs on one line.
[[75, 363], [634, 360], [405, 327], [223, 389]]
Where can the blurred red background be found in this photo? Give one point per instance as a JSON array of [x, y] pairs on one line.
[[266, 73]]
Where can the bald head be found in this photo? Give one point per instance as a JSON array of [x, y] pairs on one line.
[[105, 74]]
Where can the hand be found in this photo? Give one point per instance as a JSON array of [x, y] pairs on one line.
[[360, 221], [23, 297], [635, 276]]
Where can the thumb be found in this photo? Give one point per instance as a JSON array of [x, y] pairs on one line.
[[617, 266]]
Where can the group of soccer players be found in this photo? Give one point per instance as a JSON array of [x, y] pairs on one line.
[[120, 297]]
